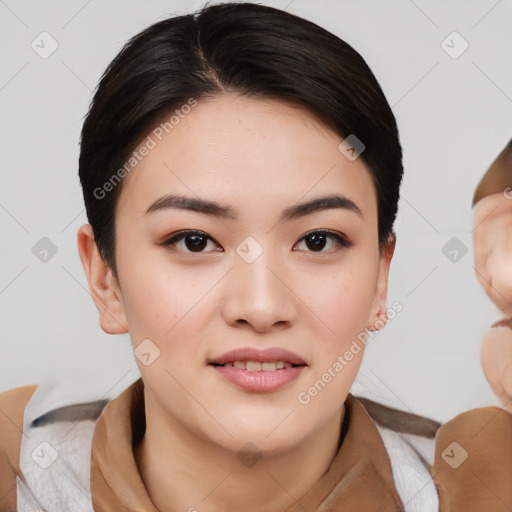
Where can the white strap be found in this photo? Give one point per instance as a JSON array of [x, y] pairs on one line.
[[56, 460], [413, 480]]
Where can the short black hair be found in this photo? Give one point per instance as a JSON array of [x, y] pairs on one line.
[[242, 48]]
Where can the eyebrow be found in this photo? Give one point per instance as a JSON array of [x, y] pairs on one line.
[[179, 202]]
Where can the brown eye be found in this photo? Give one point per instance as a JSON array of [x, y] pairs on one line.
[[316, 241], [193, 241]]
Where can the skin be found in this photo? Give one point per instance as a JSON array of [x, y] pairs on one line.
[[259, 157], [492, 239]]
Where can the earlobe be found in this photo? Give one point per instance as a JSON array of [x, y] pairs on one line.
[[379, 313], [102, 285]]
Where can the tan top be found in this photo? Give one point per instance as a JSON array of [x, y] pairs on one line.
[[498, 177], [360, 475], [359, 479]]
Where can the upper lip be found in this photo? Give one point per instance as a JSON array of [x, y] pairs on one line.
[[258, 354]]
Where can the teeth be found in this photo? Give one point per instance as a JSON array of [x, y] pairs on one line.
[[269, 367], [253, 366], [256, 366]]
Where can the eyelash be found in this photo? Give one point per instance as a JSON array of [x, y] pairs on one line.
[[340, 240]]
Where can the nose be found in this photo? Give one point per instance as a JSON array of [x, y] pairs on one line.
[[258, 295]]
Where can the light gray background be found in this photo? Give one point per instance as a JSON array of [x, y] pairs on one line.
[[454, 117]]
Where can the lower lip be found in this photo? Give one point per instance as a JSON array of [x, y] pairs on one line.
[[259, 381]]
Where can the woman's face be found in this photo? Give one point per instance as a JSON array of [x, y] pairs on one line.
[[256, 279]]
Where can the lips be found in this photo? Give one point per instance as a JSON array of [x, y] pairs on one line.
[[259, 371], [269, 355]]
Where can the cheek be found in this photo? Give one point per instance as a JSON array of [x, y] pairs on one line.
[[155, 296], [343, 297], [155, 304]]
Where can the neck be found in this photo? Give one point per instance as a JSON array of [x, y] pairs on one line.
[[183, 472]]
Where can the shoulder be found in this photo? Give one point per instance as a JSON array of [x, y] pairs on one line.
[[473, 457], [12, 408], [419, 432], [41, 443], [410, 442]]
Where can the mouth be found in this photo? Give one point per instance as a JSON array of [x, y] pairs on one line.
[[258, 370], [257, 359], [258, 366]]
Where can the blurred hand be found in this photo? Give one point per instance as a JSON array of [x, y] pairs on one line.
[[492, 241], [496, 357]]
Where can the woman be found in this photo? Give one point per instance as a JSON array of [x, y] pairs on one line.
[[241, 171]]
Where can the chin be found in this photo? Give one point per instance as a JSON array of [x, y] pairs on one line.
[[259, 446], [260, 438]]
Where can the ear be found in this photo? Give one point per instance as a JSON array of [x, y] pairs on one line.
[[379, 312], [103, 286]]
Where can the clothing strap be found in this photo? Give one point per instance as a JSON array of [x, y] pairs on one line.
[[55, 461], [411, 472]]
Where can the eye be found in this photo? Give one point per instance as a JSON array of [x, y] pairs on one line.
[[194, 241], [317, 240]]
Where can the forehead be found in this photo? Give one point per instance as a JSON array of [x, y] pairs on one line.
[[235, 148]]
